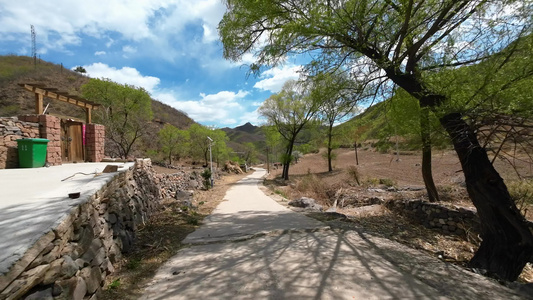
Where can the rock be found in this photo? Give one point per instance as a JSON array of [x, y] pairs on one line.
[[181, 195], [28, 280], [72, 289], [45, 294], [92, 277], [99, 257], [127, 240], [112, 218], [81, 263], [307, 203], [68, 267], [53, 272]]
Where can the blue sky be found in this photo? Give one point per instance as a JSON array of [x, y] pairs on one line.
[[169, 47]]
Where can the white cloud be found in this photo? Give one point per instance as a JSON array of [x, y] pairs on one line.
[[129, 49], [99, 53], [276, 77], [222, 107], [125, 75], [133, 20], [253, 117]]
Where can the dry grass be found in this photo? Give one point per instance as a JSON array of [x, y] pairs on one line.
[[375, 170]]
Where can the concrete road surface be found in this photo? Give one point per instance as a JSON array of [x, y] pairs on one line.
[[34, 200], [253, 248]]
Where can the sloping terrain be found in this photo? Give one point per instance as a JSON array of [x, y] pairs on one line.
[[14, 100]]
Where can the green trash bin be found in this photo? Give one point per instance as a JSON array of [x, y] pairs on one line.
[[32, 152]]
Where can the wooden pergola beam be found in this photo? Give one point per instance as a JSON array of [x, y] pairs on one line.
[[41, 91]]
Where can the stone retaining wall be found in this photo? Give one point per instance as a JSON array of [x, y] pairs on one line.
[[456, 220], [12, 129], [72, 260]]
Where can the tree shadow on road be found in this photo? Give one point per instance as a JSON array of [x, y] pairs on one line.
[[314, 265]]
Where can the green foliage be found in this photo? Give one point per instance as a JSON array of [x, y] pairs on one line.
[[133, 264], [125, 111], [250, 153], [114, 284], [199, 148], [280, 192], [80, 69], [206, 175], [307, 148], [193, 218], [174, 142], [522, 193], [289, 111]]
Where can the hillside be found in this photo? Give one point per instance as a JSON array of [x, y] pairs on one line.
[[14, 100], [246, 133]]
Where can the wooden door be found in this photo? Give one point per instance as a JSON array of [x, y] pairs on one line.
[[72, 141]]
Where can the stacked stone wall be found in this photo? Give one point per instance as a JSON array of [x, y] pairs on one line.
[[450, 220], [12, 129], [72, 260], [94, 142]]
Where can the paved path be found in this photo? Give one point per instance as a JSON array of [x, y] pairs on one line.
[[253, 248]]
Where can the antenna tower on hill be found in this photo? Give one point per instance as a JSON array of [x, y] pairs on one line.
[[33, 46]]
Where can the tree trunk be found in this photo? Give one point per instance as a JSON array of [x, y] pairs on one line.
[[507, 241], [287, 162], [356, 157], [330, 133], [427, 173]]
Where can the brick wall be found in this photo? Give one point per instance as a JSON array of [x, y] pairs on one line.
[[12, 129], [94, 142], [46, 127], [49, 128]]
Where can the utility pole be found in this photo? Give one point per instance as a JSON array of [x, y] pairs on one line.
[[268, 162], [211, 160]]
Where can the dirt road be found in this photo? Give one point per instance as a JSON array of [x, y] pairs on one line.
[[253, 248]]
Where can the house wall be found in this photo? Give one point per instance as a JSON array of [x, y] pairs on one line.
[[46, 127], [12, 129]]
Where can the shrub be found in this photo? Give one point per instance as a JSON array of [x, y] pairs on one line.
[[521, 192], [206, 175], [353, 173], [387, 182], [312, 186], [114, 284]]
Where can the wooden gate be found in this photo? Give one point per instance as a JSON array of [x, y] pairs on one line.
[[72, 149]]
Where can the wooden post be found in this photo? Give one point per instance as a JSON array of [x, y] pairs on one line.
[[356, 157], [38, 104], [88, 115]]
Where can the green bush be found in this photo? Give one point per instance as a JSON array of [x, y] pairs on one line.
[[206, 175], [521, 192]]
